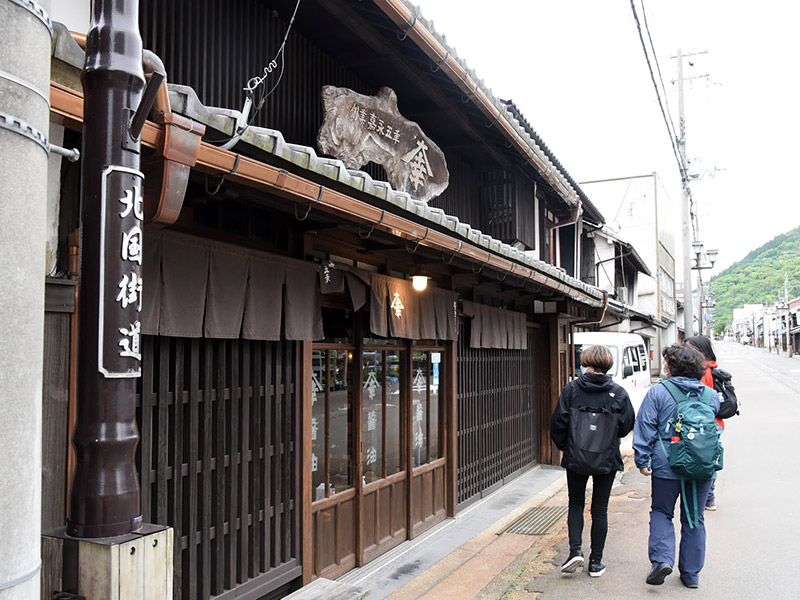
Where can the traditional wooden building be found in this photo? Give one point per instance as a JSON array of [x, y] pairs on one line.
[[302, 407]]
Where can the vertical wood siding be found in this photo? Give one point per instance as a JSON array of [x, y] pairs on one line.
[[217, 461], [497, 397], [216, 46]]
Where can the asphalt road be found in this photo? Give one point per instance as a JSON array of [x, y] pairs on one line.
[[753, 549]]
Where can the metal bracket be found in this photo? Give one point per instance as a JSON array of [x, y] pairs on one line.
[[483, 264], [305, 216], [406, 28], [37, 11], [427, 231], [369, 233], [146, 103], [216, 189], [25, 129], [27, 85], [435, 65], [128, 141], [71, 154]]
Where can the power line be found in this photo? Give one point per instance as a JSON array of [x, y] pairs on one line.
[[658, 68], [681, 167]]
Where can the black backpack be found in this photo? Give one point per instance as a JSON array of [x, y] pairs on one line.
[[592, 443], [729, 404]]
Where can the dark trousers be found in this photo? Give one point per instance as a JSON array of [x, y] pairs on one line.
[[661, 547], [601, 491]]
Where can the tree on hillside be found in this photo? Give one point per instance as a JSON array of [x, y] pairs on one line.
[[758, 278]]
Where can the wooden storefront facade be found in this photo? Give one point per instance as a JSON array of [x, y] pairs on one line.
[[279, 451]]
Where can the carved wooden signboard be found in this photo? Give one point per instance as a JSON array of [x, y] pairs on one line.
[[359, 129]]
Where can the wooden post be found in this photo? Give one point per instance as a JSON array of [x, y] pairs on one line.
[[306, 524], [358, 437], [451, 429]]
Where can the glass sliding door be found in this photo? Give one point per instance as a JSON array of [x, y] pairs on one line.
[[427, 437], [332, 465], [384, 492]]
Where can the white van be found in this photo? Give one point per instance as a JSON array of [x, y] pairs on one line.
[[631, 367]]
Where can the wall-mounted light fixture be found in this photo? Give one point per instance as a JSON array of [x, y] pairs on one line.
[[419, 282]]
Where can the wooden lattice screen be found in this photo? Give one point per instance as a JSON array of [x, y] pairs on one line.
[[218, 462], [496, 415]]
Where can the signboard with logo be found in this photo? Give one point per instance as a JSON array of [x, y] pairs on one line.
[[359, 129]]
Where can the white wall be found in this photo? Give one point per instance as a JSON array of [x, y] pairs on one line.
[[604, 251]]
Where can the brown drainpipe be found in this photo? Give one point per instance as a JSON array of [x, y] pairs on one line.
[[72, 398], [150, 62], [398, 12], [104, 498]]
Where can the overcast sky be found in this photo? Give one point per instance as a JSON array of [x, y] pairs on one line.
[[577, 70]]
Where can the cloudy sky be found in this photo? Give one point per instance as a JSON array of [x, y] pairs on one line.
[[577, 70]]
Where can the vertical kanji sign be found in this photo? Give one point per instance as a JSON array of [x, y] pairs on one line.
[[120, 302]]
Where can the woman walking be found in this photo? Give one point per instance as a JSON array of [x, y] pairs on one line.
[[655, 428], [592, 414], [703, 345]]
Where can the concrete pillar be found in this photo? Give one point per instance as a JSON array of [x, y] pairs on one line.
[[25, 39]]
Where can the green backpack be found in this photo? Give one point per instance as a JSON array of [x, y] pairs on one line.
[[695, 451]]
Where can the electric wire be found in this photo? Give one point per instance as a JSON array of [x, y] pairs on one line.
[[255, 83], [658, 68], [681, 167]]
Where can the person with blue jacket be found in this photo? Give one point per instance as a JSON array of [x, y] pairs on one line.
[[684, 367]]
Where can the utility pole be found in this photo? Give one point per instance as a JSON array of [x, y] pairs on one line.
[[688, 321], [688, 313], [788, 313], [26, 37]]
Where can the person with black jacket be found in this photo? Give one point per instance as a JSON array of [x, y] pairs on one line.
[[592, 414]]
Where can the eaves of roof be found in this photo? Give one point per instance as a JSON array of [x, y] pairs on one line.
[[184, 100], [409, 20], [592, 211], [632, 256], [626, 310], [629, 252]]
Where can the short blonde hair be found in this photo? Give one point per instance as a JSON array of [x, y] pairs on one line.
[[597, 357]]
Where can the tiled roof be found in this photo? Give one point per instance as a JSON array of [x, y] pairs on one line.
[[517, 115], [522, 127], [184, 100]]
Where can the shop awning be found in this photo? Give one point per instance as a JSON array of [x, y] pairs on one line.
[[195, 287]]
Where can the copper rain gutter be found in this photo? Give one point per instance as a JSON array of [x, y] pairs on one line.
[[68, 103]]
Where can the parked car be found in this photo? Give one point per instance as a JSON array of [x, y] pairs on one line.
[[631, 367]]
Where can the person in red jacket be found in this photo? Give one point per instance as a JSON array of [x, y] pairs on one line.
[[703, 345]]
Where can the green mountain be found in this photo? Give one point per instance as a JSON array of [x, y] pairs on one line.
[[757, 278]]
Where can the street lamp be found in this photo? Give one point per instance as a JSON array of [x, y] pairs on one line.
[[702, 260], [706, 303]]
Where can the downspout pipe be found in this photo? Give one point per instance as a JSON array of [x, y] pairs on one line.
[[104, 499]]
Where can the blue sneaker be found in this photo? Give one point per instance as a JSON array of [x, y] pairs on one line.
[[658, 573]]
